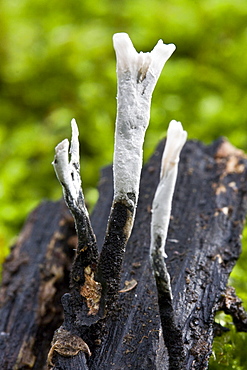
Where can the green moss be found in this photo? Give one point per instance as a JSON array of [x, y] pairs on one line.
[[229, 350]]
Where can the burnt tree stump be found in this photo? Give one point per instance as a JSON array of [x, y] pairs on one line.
[[208, 213]]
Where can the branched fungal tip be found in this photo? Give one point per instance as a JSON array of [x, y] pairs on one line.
[[129, 59], [67, 170]]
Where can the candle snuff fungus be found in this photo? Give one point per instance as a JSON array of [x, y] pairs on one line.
[[162, 203], [137, 75]]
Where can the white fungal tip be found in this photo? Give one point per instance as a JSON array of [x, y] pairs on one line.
[[61, 159], [160, 54], [164, 50], [122, 39], [177, 133], [125, 52], [74, 148], [62, 147], [176, 138], [74, 127], [129, 59]]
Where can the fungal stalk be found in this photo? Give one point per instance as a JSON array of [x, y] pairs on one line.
[[137, 75], [162, 203], [68, 174]]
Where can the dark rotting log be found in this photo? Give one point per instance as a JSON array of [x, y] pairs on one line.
[[35, 276], [209, 209]]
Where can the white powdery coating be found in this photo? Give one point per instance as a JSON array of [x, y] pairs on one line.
[[61, 160], [68, 171], [137, 77], [129, 59], [160, 54], [162, 202], [126, 54], [74, 148]]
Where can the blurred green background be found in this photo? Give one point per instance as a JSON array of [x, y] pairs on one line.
[[57, 62]]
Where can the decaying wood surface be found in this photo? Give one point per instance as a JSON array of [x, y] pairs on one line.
[[35, 275], [209, 209]]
